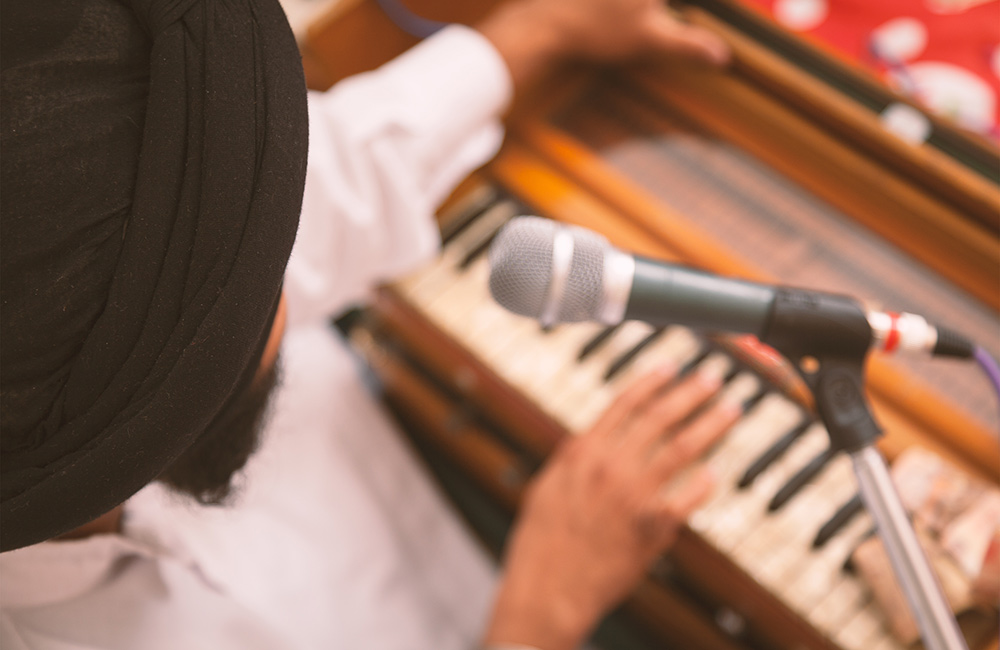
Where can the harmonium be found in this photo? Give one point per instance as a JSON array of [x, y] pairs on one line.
[[789, 166]]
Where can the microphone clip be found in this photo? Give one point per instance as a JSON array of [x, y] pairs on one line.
[[827, 337]]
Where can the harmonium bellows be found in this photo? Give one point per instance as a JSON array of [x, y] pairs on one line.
[[786, 167]]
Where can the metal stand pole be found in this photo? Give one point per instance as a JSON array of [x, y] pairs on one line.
[[938, 627], [833, 334]]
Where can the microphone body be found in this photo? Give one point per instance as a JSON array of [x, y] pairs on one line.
[[558, 273], [666, 294]]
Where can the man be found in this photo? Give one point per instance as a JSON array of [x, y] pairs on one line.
[[153, 166]]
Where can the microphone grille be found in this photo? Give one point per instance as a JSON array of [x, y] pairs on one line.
[[521, 269]]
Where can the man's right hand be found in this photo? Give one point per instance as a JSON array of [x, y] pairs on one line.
[[599, 515]]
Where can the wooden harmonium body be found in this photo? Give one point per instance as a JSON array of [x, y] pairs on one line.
[[782, 168]]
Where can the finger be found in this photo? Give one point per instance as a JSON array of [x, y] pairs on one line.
[[662, 520], [634, 399], [671, 36], [696, 438], [685, 500], [669, 409]]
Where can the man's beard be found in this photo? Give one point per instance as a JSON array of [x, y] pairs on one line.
[[207, 468]]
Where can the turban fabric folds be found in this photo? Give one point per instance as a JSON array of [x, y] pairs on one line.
[[153, 164]]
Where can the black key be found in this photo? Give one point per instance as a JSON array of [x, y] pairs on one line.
[[849, 561], [755, 399], [477, 250], [801, 479], [703, 353], [773, 453], [622, 362], [457, 224], [596, 342], [839, 519], [487, 238]]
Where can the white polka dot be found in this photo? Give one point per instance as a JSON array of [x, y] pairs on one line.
[[900, 39], [906, 122], [948, 7], [801, 15], [953, 92]]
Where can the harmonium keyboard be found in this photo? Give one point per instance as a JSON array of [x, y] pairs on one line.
[[789, 167]]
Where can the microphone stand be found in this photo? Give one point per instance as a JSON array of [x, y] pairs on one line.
[[828, 338]]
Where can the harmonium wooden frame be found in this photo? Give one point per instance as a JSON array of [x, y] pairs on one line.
[[784, 167]]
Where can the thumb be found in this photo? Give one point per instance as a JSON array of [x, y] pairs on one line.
[[670, 36]]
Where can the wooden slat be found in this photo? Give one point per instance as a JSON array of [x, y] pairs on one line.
[[447, 425]]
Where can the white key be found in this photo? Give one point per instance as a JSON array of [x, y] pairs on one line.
[[732, 520], [501, 347], [825, 567], [461, 298], [678, 345], [761, 540], [887, 642], [607, 391], [419, 286], [807, 511], [865, 627], [465, 311], [745, 441], [848, 595], [741, 387], [543, 371], [536, 369], [425, 286], [582, 384], [774, 416]]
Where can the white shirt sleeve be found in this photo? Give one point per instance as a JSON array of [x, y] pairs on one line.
[[385, 148]]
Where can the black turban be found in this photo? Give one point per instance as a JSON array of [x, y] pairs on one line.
[[153, 163]]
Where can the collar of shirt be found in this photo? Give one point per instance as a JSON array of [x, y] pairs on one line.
[[55, 571]]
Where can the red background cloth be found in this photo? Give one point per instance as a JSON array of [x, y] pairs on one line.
[[964, 34]]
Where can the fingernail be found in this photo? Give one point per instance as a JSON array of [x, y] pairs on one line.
[[719, 54], [666, 369], [710, 375], [732, 404]]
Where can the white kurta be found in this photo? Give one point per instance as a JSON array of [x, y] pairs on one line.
[[338, 538]]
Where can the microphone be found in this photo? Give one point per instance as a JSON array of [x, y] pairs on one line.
[[560, 273]]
